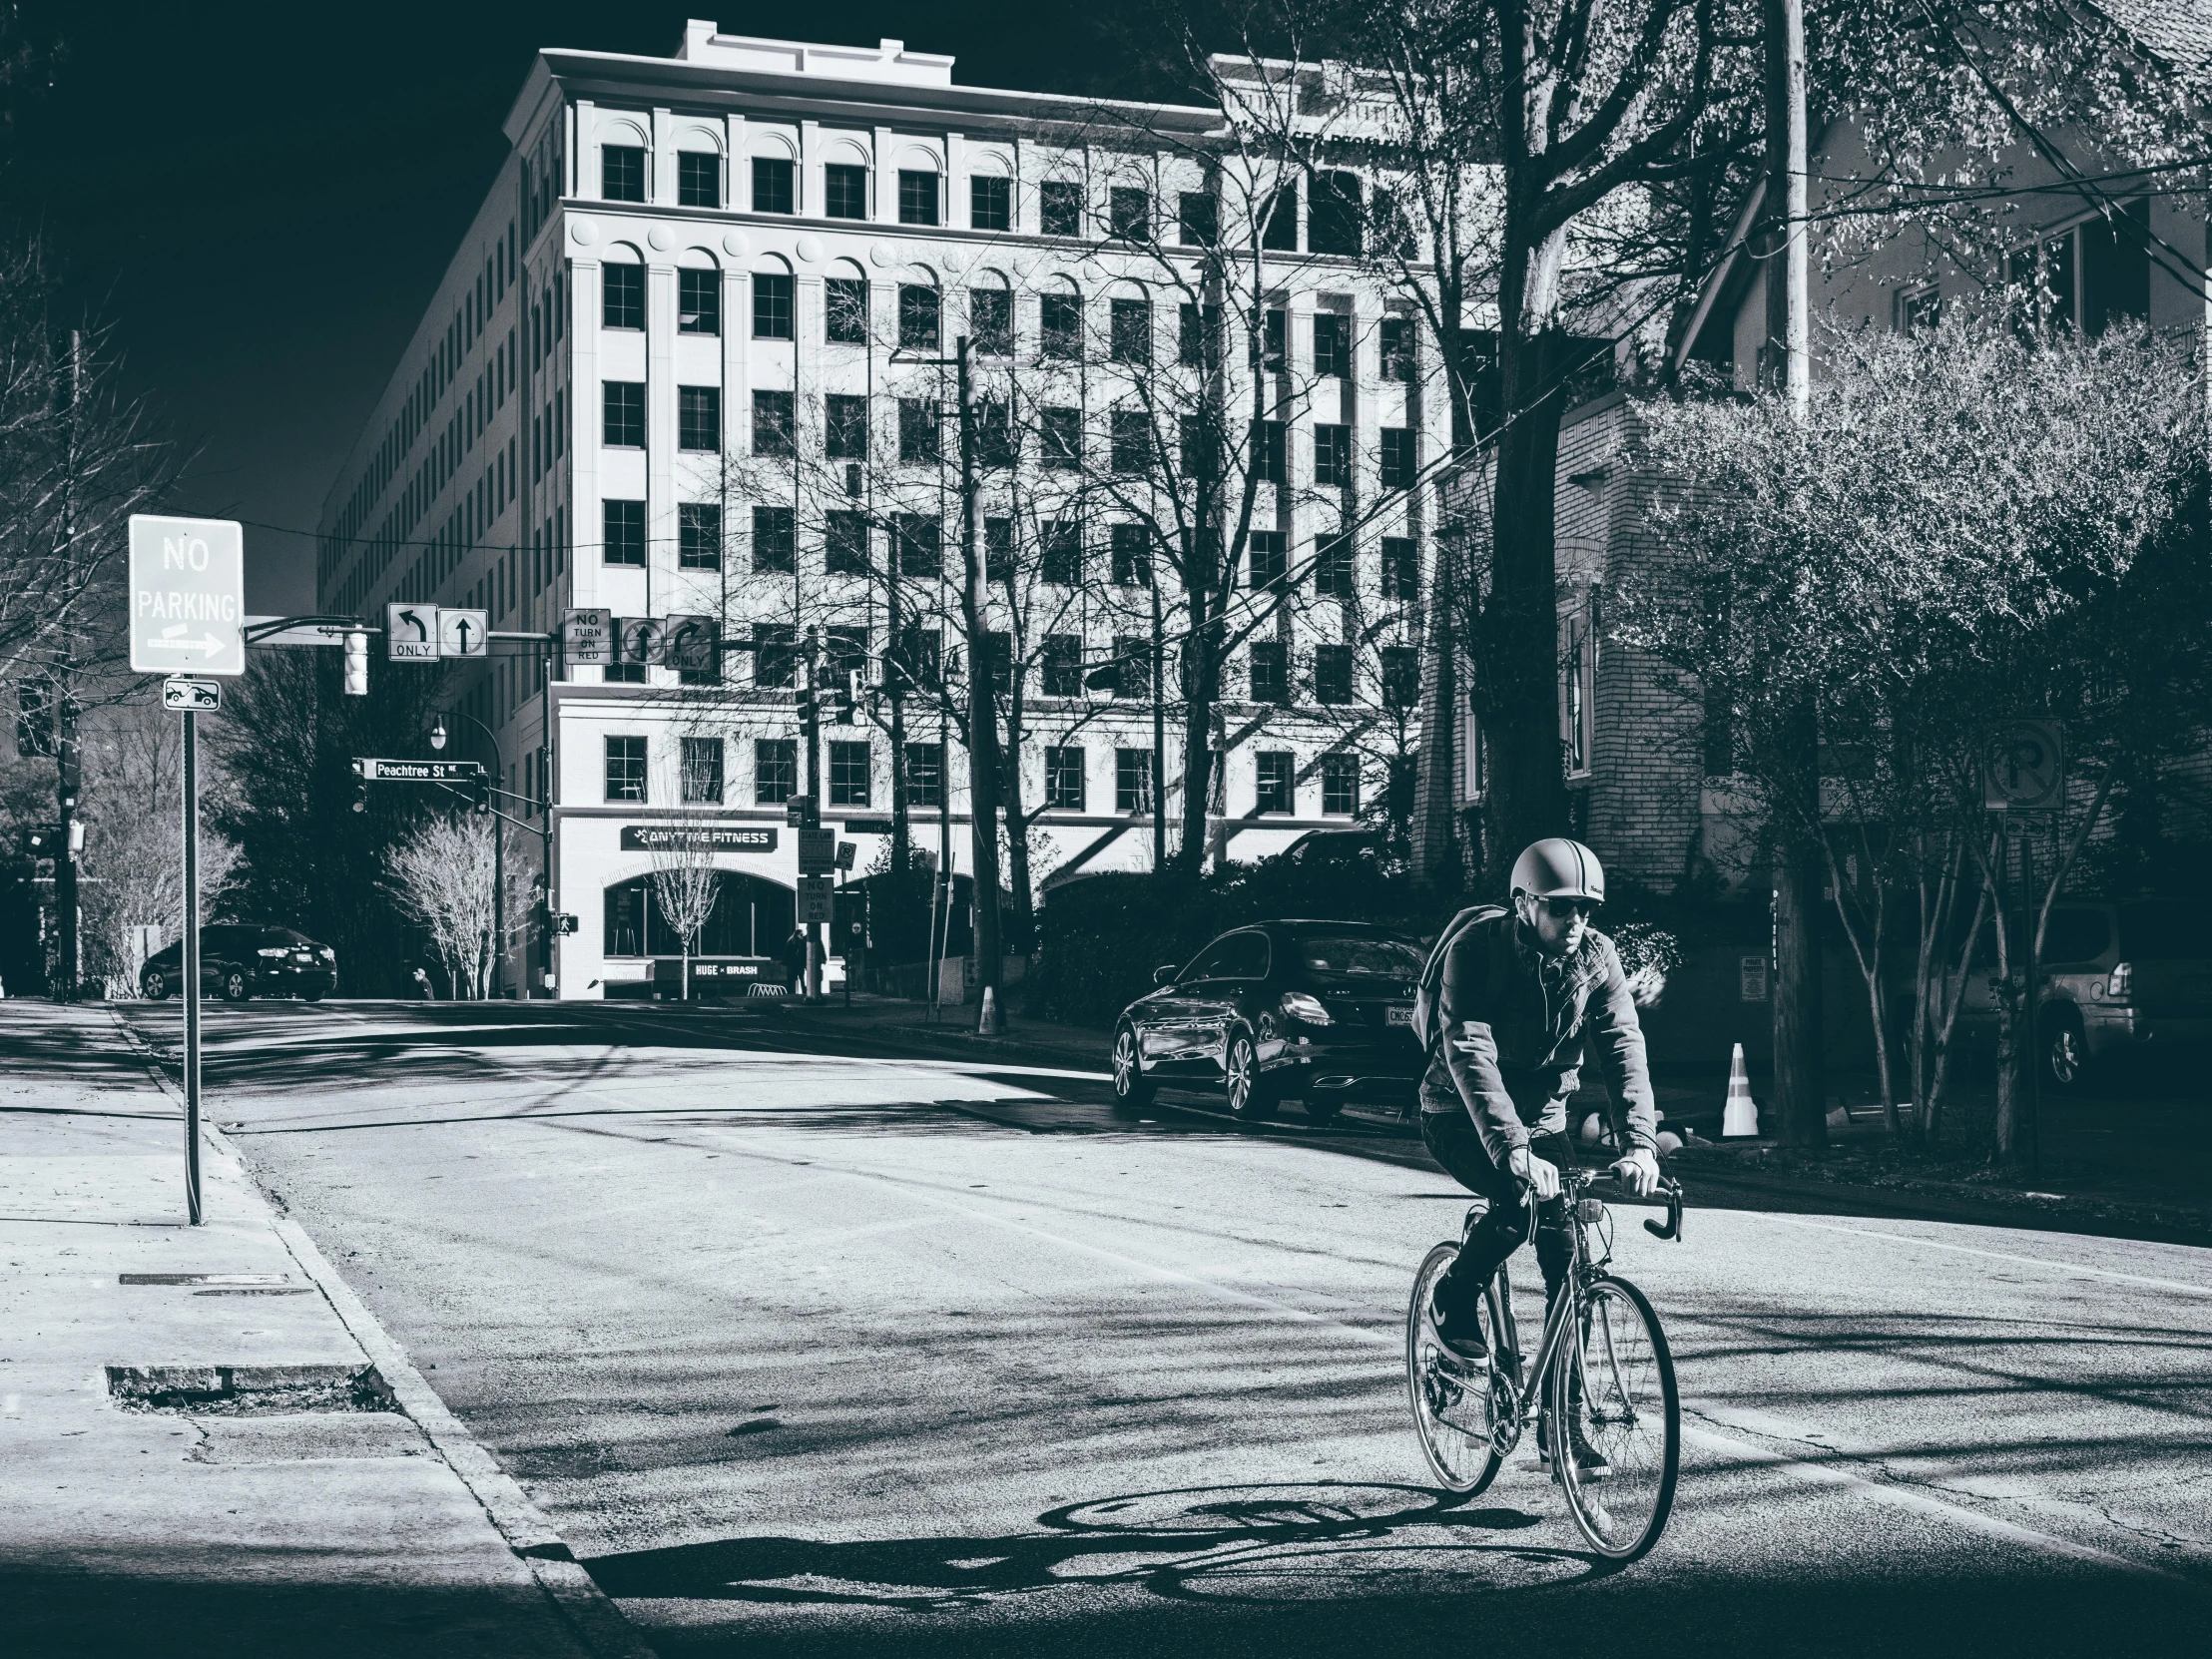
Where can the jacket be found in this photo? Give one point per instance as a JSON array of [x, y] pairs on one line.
[[1515, 1029]]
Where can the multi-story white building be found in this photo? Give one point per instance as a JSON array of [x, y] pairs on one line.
[[691, 361]]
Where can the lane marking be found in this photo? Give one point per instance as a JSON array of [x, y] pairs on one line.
[[1991, 1255]]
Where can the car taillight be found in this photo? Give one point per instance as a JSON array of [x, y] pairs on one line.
[[328, 955], [2121, 983], [272, 950], [1299, 1005]]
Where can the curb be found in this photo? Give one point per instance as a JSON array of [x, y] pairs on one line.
[[591, 1614]]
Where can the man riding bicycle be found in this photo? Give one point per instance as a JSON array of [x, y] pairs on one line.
[[1513, 1001]]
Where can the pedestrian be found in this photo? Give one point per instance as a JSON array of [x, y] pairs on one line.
[[794, 958], [422, 985]]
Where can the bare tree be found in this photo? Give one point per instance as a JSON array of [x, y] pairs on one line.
[[685, 883], [441, 874]]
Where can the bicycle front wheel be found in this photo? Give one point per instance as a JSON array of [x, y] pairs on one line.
[[1454, 1410], [1613, 1384]]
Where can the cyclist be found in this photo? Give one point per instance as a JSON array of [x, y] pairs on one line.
[[1513, 1001]]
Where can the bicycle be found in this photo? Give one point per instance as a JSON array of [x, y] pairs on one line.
[[1618, 1373]]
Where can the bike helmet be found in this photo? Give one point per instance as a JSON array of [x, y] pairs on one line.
[[1556, 867]]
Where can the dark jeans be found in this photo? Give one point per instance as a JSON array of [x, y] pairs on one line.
[[1452, 1140]]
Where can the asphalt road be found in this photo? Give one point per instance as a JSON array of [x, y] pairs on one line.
[[807, 1349]]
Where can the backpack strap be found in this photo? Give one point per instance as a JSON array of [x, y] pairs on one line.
[[1430, 988]]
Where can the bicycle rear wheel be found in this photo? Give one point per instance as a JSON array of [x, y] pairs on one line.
[[1454, 1410], [1613, 1383]]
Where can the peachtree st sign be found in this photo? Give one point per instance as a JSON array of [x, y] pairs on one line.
[[705, 837]]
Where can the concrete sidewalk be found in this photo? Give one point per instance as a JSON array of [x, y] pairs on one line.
[[210, 1447]]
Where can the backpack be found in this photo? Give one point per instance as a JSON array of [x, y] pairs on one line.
[[1433, 972]]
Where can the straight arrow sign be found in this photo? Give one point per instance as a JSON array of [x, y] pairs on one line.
[[411, 632]]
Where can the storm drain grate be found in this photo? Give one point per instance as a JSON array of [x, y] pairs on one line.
[[223, 1283], [250, 1390]]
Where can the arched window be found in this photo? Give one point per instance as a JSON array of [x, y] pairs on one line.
[[751, 918]]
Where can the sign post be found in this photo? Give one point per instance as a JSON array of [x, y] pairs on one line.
[[188, 599]]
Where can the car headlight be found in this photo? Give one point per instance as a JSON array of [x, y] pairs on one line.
[[1301, 1006], [272, 950]]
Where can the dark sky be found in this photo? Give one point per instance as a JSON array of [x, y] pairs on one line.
[[259, 200]]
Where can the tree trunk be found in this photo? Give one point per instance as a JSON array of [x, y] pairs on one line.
[[1799, 1084], [1200, 688]]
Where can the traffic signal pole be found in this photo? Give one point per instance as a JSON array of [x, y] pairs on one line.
[[811, 722]]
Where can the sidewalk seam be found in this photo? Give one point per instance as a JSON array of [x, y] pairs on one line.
[[599, 1625]]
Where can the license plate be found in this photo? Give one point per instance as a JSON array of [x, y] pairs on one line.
[[1398, 1017]]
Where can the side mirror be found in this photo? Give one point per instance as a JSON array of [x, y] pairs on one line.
[[1164, 974]]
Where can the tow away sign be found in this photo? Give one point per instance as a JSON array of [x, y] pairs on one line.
[[187, 595]]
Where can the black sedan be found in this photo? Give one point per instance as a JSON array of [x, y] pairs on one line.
[[1320, 1010], [237, 961]]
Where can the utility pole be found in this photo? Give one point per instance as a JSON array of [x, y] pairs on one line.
[[67, 761], [982, 716], [812, 719]]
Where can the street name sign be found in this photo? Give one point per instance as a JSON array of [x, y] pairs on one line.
[[201, 697], [411, 632], [818, 850], [814, 899], [187, 595], [419, 772], [587, 636], [2023, 766], [464, 632]]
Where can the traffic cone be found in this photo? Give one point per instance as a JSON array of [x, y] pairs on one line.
[[1740, 1119], [988, 1026]]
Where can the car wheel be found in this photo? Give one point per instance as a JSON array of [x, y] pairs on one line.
[[2065, 1050], [236, 986], [1132, 1088], [153, 986], [1249, 1092]]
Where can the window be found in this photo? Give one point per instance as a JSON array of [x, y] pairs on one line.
[[1132, 779], [1400, 677], [920, 655], [697, 536], [1332, 457], [1270, 452], [2077, 935], [847, 305], [775, 655], [1270, 671], [990, 203], [701, 771], [698, 179], [1266, 559], [1131, 441], [1060, 326], [845, 428], [699, 419], [772, 424], [1129, 214], [624, 409], [1400, 568], [775, 769], [1918, 309], [917, 197], [2045, 274], [991, 321], [994, 433], [1335, 568], [1397, 349], [1063, 665], [849, 767], [1340, 785], [698, 301], [844, 653], [1201, 456], [1132, 555], [1131, 665], [1062, 560], [1577, 661], [1236, 956], [926, 775], [844, 191], [1333, 674], [624, 769], [775, 539], [1063, 438], [622, 295], [1060, 207], [921, 316], [1063, 779], [921, 430], [1397, 457], [845, 544], [625, 533], [1337, 211], [1130, 336], [1275, 786], [998, 548], [995, 652], [917, 545], [1332, 344], [772, 304], [622, 174], [1274, 329], [1197, 336], [1281, 234], [1198, 219], [772, 185]]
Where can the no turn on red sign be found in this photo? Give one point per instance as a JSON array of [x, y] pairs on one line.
[[187, 595]]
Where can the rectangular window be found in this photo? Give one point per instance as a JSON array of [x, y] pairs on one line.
[[995, 650], [697, 179], [844, 191], [1340, 786], [1274, 332], [1397, 349], [773, 433], [1281, 235], [1274, 782], [1063, 779], [1063, 665], [624, 412], [775, 769], [622, 172], [775, 655], [772, 185], [921, 316], [1401, 675], [1397, 457], [1060, 207], [917, 545], [1400, 568], [926, 775], [1577, 661], [1270, 463], [772, 305], [1333, 674], [845, 544], [622, 295], [1063, 438], [699, 419], [921, 430], [1198, 334], [845, 428], [1338, 208], [850, 768], [920, 655], [1198, 219], [1335, 568], [1918, 309], [1130, 333], [847, 305], [990, 203], [917, 197], [998, 549], [1060, 326], [1129, 214], [626, 769], [1266, 559], [1062, 555], [991, 321], [1332, 457], [1332, 345], [701, 771], [1132, 555], [1131, 441], [994, 433], [1132, 779], [844, 653], [625, 535], [775, 538], [698, 301], [1270, 671], [697, 536], [1132, 665], [1201, 456]]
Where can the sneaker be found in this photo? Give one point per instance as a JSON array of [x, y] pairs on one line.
[[1590, 1462], [1462, 1337]]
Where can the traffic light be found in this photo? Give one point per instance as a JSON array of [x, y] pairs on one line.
[[356, 665], [849, 698], [478, 791], [40, 840], [360, 780]]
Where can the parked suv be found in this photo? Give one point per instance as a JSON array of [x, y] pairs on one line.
[[237, 961], [2115, 977]]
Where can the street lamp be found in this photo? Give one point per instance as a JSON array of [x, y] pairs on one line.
[[498, 847]]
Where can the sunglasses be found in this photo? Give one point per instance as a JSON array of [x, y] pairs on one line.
[[1563, 910]]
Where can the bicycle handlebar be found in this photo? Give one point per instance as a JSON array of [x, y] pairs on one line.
[[1579, 1181]]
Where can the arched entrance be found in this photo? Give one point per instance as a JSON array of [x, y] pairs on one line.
[[751, 917]]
